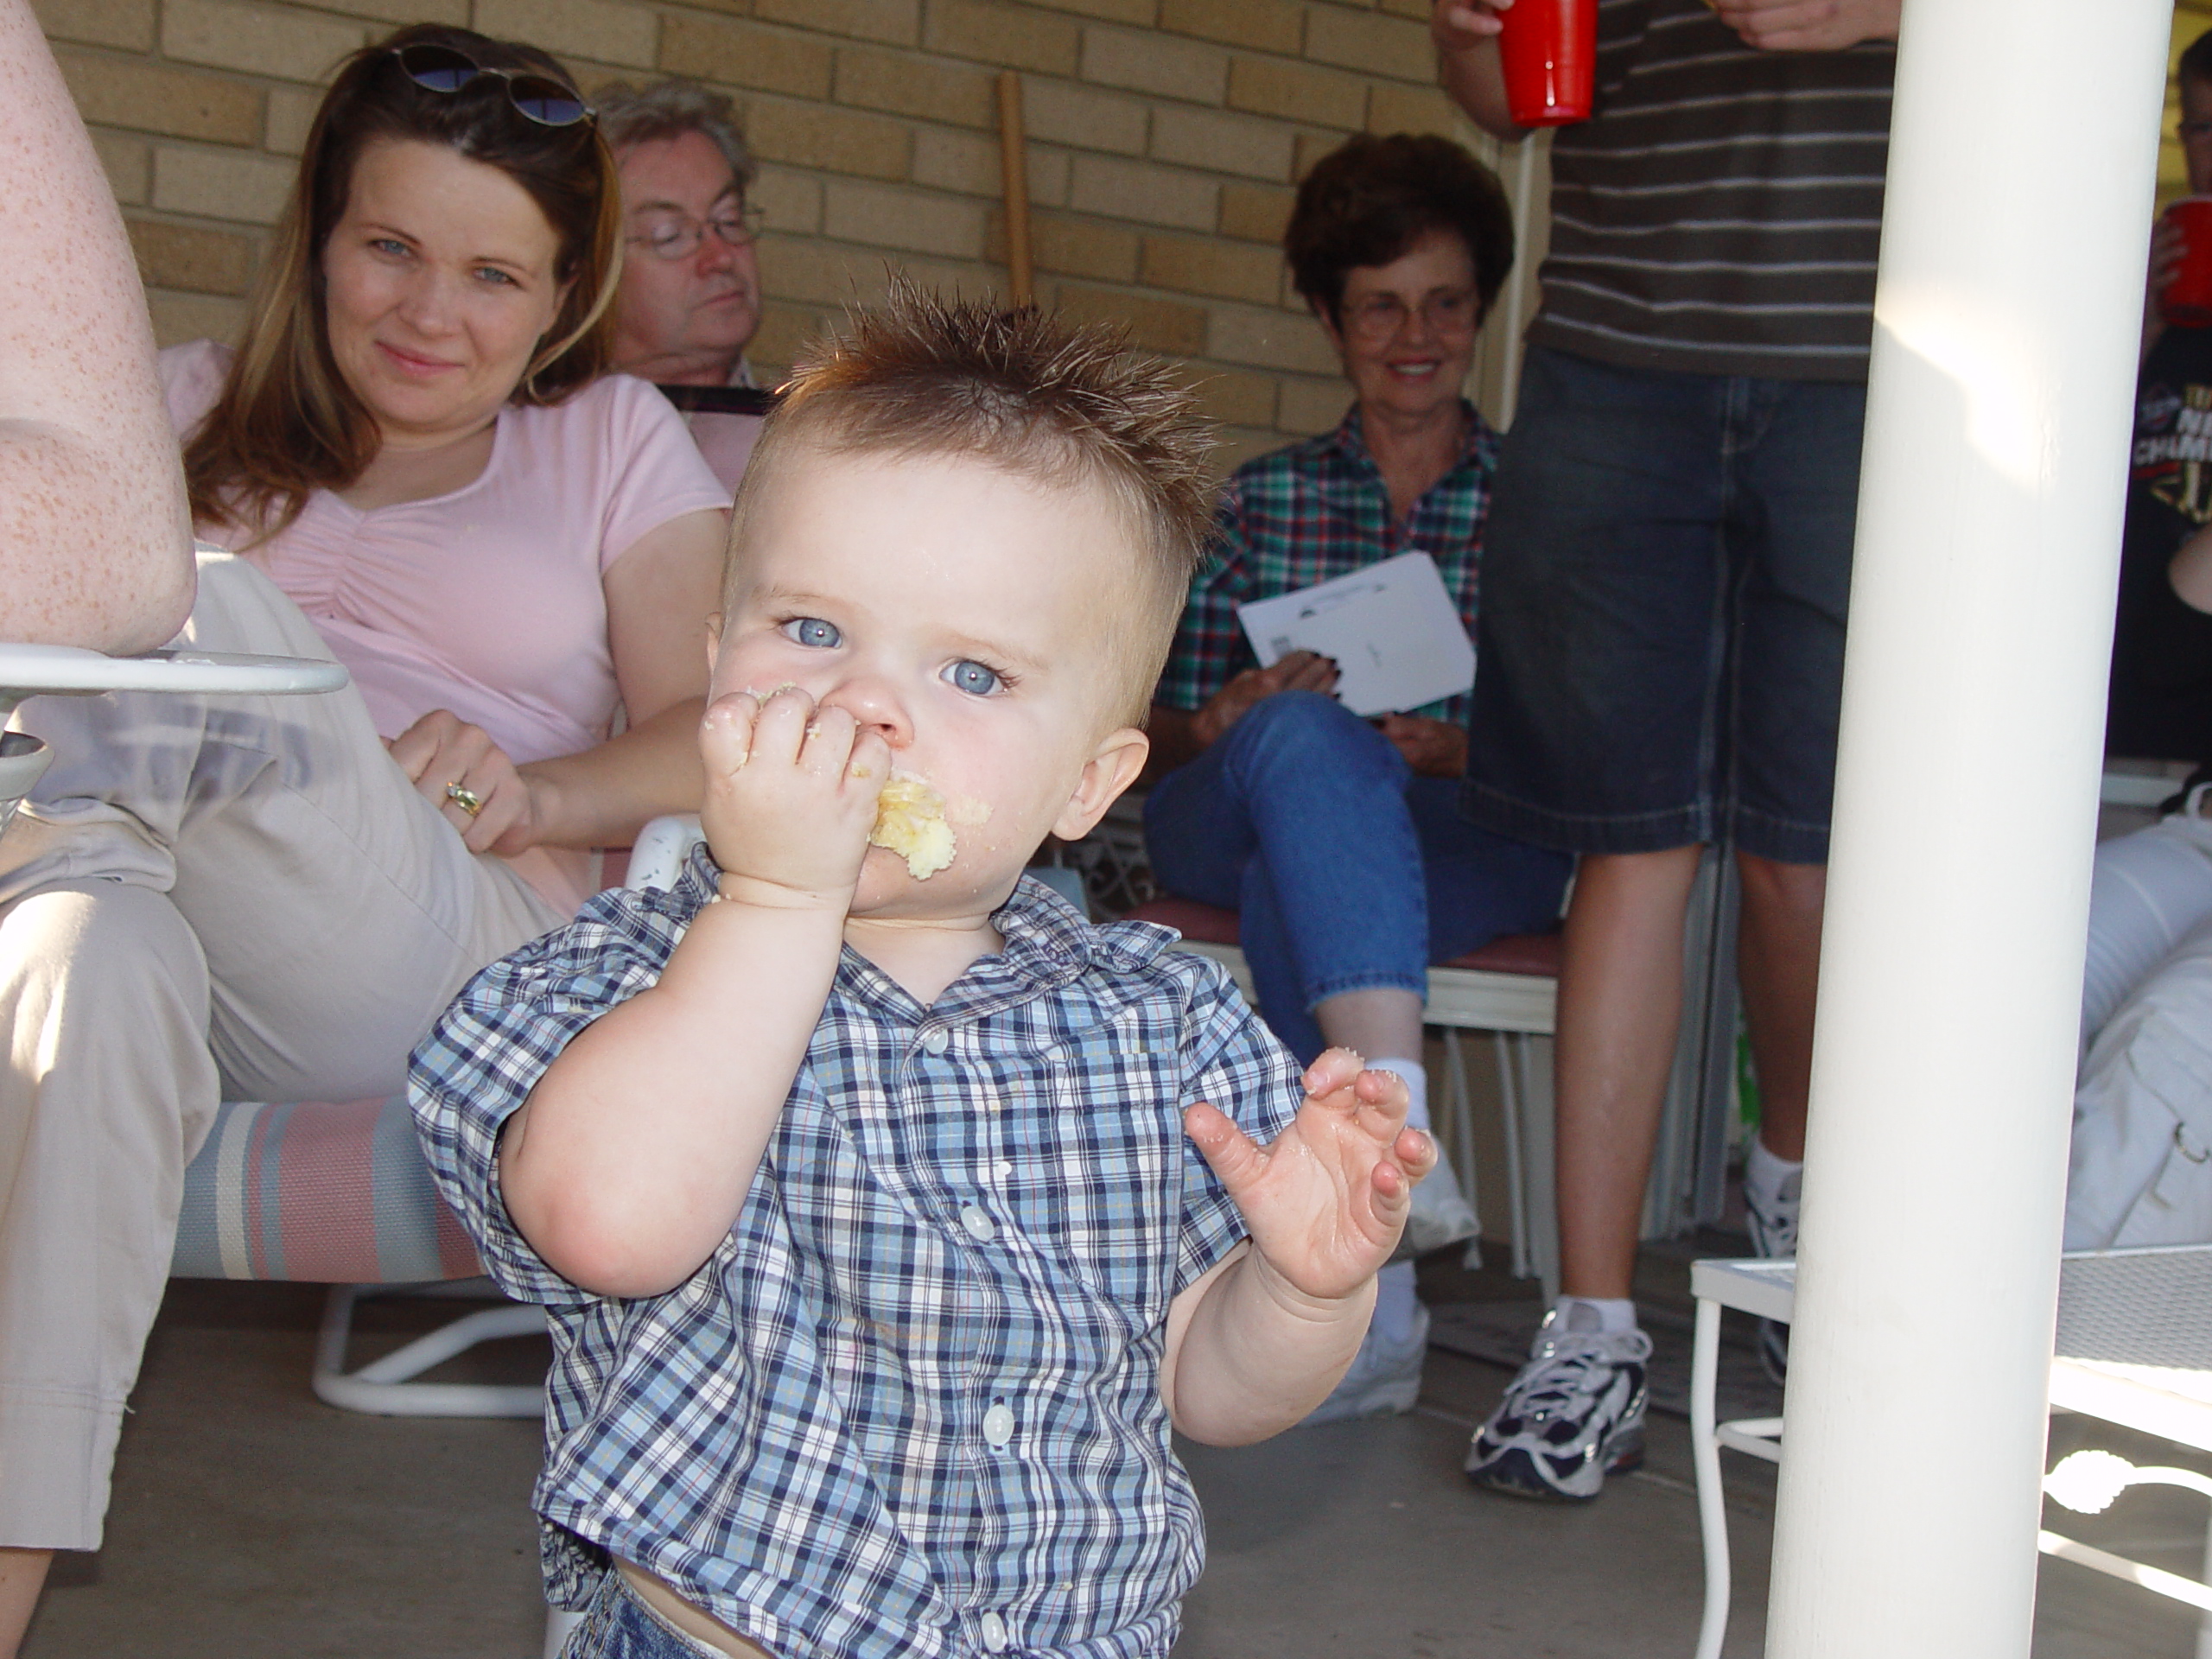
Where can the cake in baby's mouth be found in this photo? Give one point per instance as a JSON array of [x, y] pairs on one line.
[[910, 821]]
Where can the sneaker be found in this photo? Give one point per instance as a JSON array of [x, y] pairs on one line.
[[1572, 1416], [1384, 1379], [1439, 1215], [1774, 1233]]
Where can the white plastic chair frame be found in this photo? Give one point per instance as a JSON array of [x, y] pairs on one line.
[[387, 1387], [2086, 1481]]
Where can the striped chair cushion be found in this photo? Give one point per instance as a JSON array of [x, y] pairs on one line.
[[331, 1191]]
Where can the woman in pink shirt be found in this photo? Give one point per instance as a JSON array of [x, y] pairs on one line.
[[421, 473]]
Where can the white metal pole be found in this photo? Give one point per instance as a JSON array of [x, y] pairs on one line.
[[2013, 243]]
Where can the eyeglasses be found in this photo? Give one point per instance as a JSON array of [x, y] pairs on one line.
[[679, 238], [536, 98], [1380, 316]]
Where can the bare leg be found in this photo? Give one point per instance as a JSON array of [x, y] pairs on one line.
[[23, 1573], [1620, 1002], [1377, 1024], [1777, 964]]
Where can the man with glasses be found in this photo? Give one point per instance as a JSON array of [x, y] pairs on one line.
[[690, 294]]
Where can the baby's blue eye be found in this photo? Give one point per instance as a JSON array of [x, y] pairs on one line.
[[971, 677], [812, 631]]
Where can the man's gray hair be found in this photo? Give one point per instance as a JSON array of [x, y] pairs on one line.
[[669, 109]]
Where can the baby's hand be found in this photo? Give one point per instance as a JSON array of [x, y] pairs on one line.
[[1326, 1201], [791, 795]]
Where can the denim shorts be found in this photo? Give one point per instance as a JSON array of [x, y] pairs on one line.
[[618, 1626], [1664, 581]]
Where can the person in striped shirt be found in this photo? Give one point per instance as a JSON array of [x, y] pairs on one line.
[[1661, 645]]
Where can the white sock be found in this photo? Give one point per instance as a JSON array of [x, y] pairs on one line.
[[1416, 1076], [1596, 1315], [1771, 1183], [1395, 1305]]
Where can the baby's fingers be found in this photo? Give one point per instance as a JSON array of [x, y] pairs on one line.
[[726, 733], [1415, 1151], [1233, 1154], [784, 722], [1337, 1068]]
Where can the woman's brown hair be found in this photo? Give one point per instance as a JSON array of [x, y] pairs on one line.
[[287, 424], [1370, 198]]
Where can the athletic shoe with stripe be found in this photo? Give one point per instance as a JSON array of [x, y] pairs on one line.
[[1574, 1415]]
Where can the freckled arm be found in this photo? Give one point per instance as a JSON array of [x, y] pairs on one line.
[[95, 539]]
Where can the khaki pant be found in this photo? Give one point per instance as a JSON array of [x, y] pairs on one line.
[[206, 898]]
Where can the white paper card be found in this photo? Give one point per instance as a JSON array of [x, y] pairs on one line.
[[1392, 628]]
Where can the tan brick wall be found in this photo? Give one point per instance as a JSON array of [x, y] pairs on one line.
[[1165, 138]]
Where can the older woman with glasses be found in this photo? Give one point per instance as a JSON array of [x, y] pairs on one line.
[[1337, 839], [423, 473]]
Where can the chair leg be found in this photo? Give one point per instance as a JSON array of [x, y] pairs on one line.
[[1460, 1105], [1705, 1457], [385, 1388], [1507, 1046], [1537, 1142]]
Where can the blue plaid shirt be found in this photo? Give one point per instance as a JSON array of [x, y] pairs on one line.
[[1317, 509], [910, 1406]]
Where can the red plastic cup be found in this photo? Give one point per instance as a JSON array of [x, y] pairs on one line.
[[1549, 48], [2187, 299]]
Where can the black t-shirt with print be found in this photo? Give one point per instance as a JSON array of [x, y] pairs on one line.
[[2161, 702]]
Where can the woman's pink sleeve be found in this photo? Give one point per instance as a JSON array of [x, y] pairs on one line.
[[659, 474]]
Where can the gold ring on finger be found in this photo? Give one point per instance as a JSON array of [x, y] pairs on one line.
[[465, 798]]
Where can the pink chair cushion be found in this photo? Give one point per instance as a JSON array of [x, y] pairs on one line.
[[1203, 923], [329, 1191], [1534, 954]]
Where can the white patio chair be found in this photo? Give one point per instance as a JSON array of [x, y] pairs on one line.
[[2134, 1347]]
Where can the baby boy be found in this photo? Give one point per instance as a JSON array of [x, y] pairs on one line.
[[887, 1214]]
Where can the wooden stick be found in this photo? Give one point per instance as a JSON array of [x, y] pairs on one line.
[[1014, 158]]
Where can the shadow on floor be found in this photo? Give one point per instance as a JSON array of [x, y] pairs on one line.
[[250, 1521]]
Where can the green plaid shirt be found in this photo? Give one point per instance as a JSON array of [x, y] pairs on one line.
[[1317, 509]]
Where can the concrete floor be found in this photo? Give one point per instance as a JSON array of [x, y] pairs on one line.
[[249, 1520]]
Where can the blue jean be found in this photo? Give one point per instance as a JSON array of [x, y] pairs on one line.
[[1659, 656], [1347, 872], [617, 1625]]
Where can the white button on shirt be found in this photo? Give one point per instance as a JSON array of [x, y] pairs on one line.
[[994, 1631], [998, 1427], [936, 1041], [980, 1227]]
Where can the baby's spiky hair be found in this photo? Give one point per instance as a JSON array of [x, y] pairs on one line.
[[1062, 403]]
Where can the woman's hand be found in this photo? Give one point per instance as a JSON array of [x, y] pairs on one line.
[[1433, 748], [1808, 25], [442, 752], [1301, 670], [791, 795]]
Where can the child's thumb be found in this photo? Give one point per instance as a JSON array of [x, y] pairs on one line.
[[1232, 1154]]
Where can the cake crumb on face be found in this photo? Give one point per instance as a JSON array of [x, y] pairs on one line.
[[910, 821]]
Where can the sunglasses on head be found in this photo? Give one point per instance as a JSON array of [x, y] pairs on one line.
[[536, 97]]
